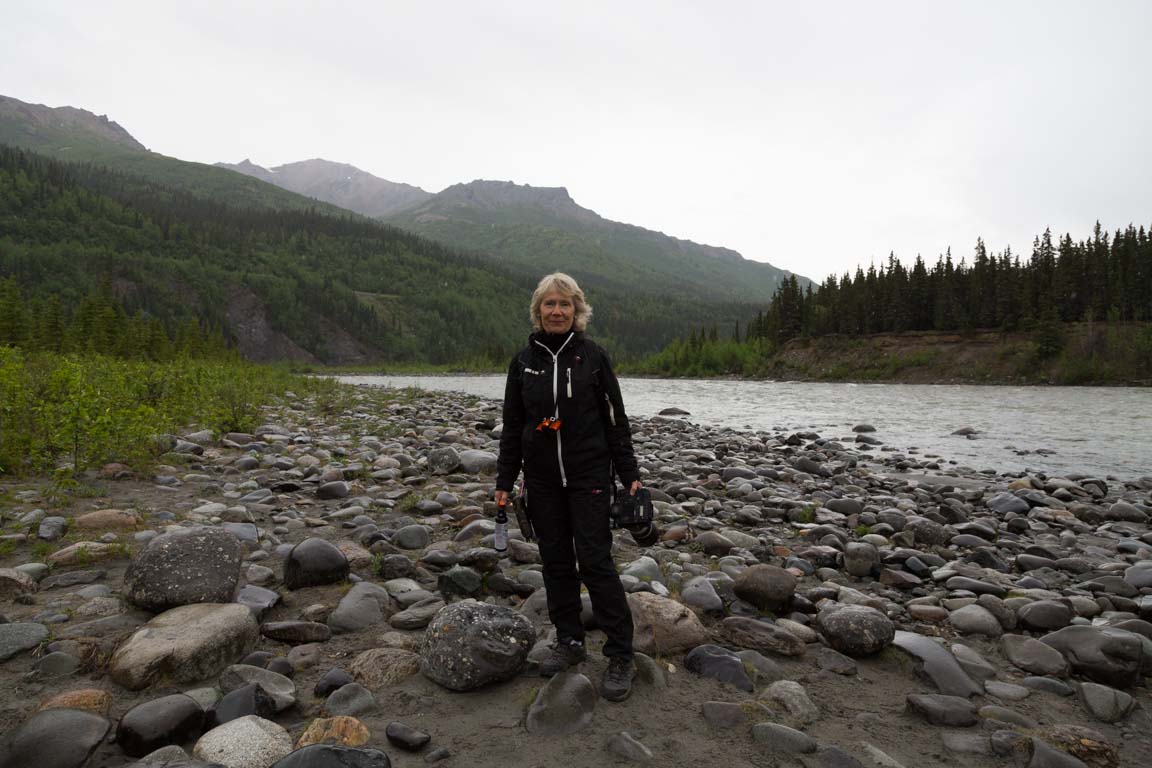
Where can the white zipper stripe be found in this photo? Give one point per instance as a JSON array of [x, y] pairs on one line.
[[556, 399]]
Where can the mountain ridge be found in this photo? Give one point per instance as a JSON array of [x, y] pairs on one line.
[[437, 288], [340, 184]]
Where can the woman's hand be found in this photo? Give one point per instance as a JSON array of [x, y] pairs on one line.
[[636, 485], [501, 498]]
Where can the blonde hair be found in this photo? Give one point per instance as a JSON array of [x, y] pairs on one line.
[[558, 282]]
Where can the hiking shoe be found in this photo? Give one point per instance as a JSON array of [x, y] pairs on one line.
[[562, 655], [617, 681]]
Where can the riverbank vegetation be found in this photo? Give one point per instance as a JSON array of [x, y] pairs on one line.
[[71, 412]]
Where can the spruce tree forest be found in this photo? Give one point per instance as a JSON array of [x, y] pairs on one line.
[[1047, 298]]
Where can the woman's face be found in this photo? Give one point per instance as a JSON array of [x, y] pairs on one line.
[[557, 312]]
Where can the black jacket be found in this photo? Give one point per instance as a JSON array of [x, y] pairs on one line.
[[579, 386]]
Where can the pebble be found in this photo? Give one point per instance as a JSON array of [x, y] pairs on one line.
[[627, 747], [406, 737]]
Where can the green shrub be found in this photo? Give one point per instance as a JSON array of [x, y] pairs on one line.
[[79, 411]]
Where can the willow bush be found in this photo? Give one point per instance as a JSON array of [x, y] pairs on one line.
[[80, 411]]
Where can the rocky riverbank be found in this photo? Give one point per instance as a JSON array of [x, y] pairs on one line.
[[322, 592]]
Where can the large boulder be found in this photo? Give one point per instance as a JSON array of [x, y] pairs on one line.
[[201, 565], [662, 625], [1105, 654], [767, 587], [314, 562], [469, 644], [185, 644]]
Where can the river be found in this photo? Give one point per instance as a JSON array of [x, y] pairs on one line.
[[1094, 430]]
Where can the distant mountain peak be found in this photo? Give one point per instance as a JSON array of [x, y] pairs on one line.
[[338, 183], [494, 195]]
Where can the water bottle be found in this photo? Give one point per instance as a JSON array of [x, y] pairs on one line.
[[500, 540]]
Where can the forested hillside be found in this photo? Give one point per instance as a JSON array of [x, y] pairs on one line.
[[279, 284], [283, 284], [543, 228], [1101, 278]]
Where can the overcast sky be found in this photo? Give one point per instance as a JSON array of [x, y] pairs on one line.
[[815, 136]]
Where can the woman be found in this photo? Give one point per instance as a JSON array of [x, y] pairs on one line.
[[564, 422]]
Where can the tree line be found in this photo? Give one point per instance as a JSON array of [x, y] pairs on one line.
[[1106, 277], [1101, 278]]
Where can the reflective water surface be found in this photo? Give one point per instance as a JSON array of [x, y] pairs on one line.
[[1094, 430]]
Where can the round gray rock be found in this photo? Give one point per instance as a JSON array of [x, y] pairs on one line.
[[55, 738], [314, 562], [767, 587], [470, 644], [200, 566], [857, 630]]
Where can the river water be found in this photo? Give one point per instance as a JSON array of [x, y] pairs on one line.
[[1094, 430]]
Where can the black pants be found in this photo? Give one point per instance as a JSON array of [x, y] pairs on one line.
[[571, 527]]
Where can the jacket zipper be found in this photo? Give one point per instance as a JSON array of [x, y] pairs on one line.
[[556, 399]]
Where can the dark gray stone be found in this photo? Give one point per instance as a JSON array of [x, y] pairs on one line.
[[1104, 654], [719, 664], [1106, 704], [329, 756], [365, 605], [776, 738], [314, 562], [332, 680], [937, 665], [563, 706], [257, 599], [247, 700], [200, 566], [154, 724], [471, 644], [406, 737], [762, 636], [1031, 655], [351, 700], [938, 709], [296, 632], [767, 587], [1044, 615], [459, 581], [23, 636], [856, 630], [40, 742]]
